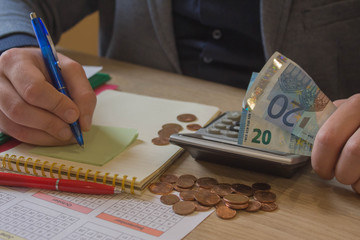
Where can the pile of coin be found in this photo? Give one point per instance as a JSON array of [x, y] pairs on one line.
[[165, 132], [201, 194], [171, 128]]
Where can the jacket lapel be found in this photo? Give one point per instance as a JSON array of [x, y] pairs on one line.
[[274, 16], [161, 17]]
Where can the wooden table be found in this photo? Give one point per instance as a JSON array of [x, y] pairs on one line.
[[309, 207]]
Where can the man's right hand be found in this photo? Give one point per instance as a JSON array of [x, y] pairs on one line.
[[31, 109]]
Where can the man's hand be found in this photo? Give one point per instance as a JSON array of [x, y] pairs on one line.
[[31, 109], [336, 149]]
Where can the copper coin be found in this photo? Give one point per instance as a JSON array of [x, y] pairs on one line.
[[169, 178], [180, 189], [225, 212], [221, 203], [236, 198], [176, 126], [188, 176], [166, 132], [222, 189], [161, 188], [236, 206], [185, 182], [253, 206], [243, 189], [261, 186], [193, 127], [265, 196], [187, 195], [186, 117], [201, 208], [160, 141], [169, 199], [207, 198], [206, 182], [184, 207], [200, 189], [269, 207]]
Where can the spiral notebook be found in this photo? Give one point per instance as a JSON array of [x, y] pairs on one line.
[[136, 166]]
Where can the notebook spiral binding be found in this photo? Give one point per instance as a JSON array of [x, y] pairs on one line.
[[62, 170]]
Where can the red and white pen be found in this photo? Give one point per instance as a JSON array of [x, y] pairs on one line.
[[65, 185]]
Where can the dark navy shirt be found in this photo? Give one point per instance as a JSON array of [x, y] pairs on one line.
[[219, 40]]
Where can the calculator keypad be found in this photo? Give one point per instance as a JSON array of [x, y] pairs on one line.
[[224, 128]]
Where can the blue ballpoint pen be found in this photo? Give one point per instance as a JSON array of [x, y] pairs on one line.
[[52, 64]]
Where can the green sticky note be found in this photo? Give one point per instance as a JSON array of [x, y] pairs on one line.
[[101, 145], [99, 79]]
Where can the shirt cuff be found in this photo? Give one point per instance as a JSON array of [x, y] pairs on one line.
[[17, 40]]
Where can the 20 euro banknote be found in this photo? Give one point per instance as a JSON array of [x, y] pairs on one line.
[[286, 96], [257, 132]]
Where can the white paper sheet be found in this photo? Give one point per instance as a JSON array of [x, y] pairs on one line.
[[41, 214], [91, 70]]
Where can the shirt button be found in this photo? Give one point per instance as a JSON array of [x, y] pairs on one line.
[[216, 34], [207, 59]]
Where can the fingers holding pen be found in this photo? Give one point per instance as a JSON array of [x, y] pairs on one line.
[[80, 90], [27, 123], [29, 135], [27, 73]]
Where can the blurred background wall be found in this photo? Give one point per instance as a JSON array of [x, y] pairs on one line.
[[83, 37]]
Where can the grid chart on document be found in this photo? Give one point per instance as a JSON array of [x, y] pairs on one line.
[[5, 198], [90, 231], [84, 203], [30, 221], [144, 216]]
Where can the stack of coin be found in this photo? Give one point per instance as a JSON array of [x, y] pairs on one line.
[[171, 128], [165, 132], [201, 194]]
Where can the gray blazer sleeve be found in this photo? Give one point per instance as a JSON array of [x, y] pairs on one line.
[[59, 15]]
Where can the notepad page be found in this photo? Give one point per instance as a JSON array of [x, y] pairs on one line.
[[147, 114], [142, 159]]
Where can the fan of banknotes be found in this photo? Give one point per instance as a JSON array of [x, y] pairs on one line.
[[283, 108]]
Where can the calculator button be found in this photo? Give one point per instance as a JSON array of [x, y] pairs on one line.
[[220, 126], [226, 121], [214, 130], [232, 134], [234, 116], [234, 128]]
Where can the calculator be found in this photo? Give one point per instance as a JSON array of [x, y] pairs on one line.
[[218, 142]]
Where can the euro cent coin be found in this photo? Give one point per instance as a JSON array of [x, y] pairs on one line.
[[186, 117], [225, 212], [184, 207], [161, 188]]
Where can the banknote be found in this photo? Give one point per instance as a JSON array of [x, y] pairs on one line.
[[285, 95], [257, 132]]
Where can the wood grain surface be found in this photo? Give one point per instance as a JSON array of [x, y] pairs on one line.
[[309, 207]]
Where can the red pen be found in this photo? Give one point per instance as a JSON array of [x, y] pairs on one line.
[[65, 185]]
